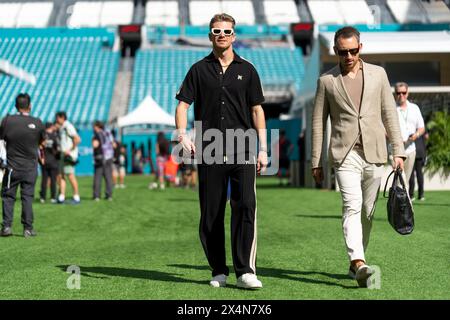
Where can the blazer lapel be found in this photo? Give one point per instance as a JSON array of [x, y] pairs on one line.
[[339, 84], [367, 79]]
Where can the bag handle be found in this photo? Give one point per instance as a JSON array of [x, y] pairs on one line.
[[387, 180], [397, 176]]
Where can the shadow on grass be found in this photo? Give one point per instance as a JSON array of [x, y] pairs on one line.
[[182, 200], [131, 273], [294, 275], [275, 186], [337, 217], [416, 203]]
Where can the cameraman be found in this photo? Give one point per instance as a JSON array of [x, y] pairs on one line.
[[23, 135], [102, 144], [50, 167], [69, 140]]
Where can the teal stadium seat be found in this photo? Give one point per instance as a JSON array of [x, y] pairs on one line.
[[74, 73], [159, 72]]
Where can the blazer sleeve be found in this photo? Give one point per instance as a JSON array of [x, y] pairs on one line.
[[319, 120], [390, 117]]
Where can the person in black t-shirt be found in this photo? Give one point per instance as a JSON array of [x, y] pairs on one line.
[[227, 96], [102, 144], [50, 167], [23, 135], [421, 156], [284, 148]]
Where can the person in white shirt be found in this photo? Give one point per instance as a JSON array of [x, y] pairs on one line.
[[411, 125], [69, 140]]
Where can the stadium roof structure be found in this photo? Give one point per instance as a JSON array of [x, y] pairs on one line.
[[397, 42]]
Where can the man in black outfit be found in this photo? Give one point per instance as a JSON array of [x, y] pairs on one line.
[[51, 164], [102, 144], [23, 135], [227, 93], [419, 163]]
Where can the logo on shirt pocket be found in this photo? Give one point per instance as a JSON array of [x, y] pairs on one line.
[[239, 77], [32, 126]]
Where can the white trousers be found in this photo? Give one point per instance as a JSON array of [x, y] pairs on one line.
[[359, 183], [409, 166]]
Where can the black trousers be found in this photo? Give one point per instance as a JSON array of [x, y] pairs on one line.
[[103, 171], [52, 173], [418, 170], [27, 181], [213, 183]]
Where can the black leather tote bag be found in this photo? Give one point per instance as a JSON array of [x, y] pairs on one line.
[[399, 207]]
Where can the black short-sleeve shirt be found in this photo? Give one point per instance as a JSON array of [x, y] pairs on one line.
[[222, 100], [23, 135], [51, 149]]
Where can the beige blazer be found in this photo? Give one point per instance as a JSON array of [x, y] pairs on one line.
[[377, 117]]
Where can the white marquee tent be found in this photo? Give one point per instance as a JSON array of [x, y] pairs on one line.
[[148, 112]]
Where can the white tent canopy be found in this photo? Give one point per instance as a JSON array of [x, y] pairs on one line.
[[148, 112]]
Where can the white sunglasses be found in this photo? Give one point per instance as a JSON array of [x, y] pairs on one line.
[[218, 31]]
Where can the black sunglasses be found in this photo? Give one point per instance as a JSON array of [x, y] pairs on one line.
[[401, 92], [344, 53]]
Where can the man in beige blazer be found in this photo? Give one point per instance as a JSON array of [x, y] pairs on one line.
[[358, 99]]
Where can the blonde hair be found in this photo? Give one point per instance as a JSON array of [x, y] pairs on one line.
[[222, 17]]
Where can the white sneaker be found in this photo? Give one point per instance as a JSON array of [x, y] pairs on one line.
[[248, 281], [61, 198], [153, 185], [362, 274], [218, 281], [122, 186]]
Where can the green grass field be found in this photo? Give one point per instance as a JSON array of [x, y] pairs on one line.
[[145, 245]]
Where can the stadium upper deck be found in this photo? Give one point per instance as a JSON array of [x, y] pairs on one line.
[[86, 13]]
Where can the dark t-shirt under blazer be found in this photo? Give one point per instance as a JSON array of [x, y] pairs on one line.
[[23, 134]]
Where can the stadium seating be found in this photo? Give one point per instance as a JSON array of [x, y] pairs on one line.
[[281, 12], [242, 11], [165, 13], [8, 14], [406, 11], [101, 13], [340, 12], [159, 72], [116, 12], [325, 12], [356, 12], [437, 11], [26, 14], [200, 12], [74, 73], [85, 14]]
